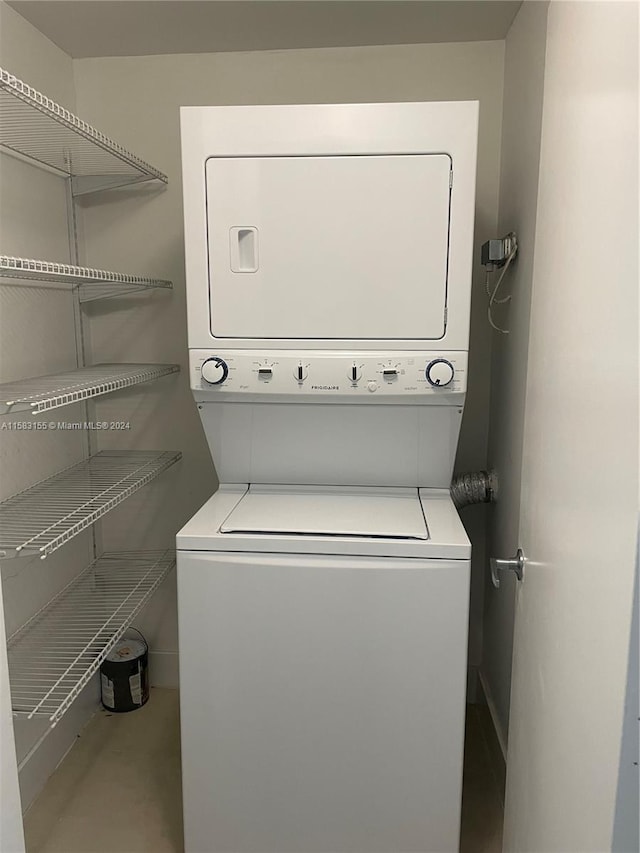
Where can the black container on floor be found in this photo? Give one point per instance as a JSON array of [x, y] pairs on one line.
[[124, 675]]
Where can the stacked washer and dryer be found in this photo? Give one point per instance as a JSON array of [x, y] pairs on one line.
[[323, 590]]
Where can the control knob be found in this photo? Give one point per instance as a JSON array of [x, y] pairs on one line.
[[214, 371], [439, 372], [355, 373]]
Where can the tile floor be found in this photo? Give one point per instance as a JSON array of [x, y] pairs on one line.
[[118, 790]]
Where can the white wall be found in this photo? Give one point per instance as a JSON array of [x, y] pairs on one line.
[[36, 337], [136, 100], [521, 133]]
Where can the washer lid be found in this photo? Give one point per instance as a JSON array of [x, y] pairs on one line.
[[329, 511], [444, 535]]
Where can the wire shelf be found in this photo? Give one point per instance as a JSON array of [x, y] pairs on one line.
[[54, 655], [91, 283], [37, 128], [43, 393], [42, 518]]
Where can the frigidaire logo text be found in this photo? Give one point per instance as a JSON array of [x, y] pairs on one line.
[[325, 387]]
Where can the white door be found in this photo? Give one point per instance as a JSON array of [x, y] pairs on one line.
[[328, 247], [580, 465]]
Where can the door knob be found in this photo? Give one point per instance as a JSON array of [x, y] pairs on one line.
[[515, 564]]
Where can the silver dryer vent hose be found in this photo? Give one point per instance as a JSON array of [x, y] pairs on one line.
[[477, 487]]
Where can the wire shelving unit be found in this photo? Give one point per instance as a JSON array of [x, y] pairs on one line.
[[47, 134], [54, 655], [90, 283], [43, 393], [42, 518]]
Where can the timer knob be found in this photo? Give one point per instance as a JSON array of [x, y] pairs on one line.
[[439, 372], [214, 371], [300, 373]]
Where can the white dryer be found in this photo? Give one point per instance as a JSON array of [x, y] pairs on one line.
[[323, 590]]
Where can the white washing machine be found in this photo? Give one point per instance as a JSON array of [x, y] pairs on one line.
[[323, 590], [323, 637]]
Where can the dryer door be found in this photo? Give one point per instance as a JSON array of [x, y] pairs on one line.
[[332, 248]]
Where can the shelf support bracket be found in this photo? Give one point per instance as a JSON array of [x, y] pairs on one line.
[[86, 184]]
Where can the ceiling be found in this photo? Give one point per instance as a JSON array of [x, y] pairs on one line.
[[86, 28]]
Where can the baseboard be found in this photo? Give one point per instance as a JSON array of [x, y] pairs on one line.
[[164, 669], [44, 747], [487, 699], [493, 735], [51, 745], [472, 684]]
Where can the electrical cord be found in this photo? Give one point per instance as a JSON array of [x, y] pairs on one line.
[[494, 293], [488, 289]]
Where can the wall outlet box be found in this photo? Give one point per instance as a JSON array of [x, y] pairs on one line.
[[494, 253]]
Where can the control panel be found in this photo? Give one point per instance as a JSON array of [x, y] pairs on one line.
[[326, 374]]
